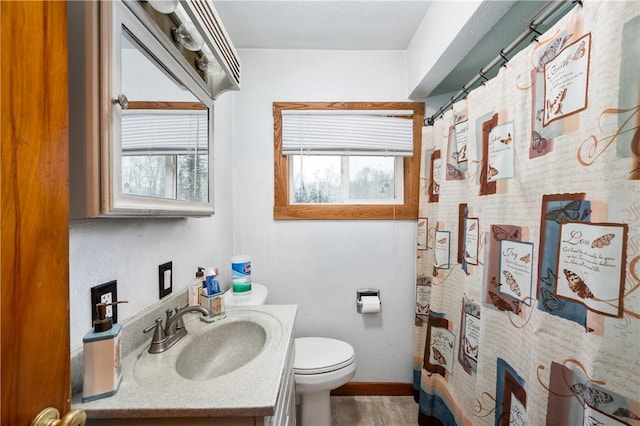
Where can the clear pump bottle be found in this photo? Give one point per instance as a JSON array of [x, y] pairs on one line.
[[195, 286]]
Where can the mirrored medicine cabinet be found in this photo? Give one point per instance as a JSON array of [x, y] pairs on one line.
[[143, 79]]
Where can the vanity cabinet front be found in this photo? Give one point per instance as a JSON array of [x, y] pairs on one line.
[[286, 406]]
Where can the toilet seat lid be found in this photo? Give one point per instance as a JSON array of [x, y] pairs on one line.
[[315, 355]]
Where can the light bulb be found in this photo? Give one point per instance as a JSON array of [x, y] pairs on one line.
[[209, 66], [164, 6], [187, 35]]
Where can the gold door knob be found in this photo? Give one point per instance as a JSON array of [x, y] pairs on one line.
[[51, 417]]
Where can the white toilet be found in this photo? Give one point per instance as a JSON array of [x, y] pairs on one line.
[[320, 365]]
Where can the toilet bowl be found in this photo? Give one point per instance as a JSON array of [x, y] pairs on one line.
[[320, 365]]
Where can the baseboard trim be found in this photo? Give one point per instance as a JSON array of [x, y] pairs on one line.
[[374, 388]]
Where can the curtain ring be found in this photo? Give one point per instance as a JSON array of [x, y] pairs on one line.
[[577, 1], [482, 76], [533, 29], [464, 89], [502, 55]]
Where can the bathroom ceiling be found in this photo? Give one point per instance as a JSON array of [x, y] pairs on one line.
[[328, 24], [368, 25]]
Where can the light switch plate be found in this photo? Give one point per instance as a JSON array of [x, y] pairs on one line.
[[105, 293], [165, 279]]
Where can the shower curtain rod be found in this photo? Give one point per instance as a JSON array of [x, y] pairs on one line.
[[545, 12]]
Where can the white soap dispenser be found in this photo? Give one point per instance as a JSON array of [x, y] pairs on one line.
[[102, 373]]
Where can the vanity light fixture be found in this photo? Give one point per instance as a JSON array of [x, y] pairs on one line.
[[194, 28], [164, 6], [208, 65], [187, 35]]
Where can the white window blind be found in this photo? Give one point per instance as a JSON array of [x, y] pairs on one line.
[[368, 132], [164, 133]]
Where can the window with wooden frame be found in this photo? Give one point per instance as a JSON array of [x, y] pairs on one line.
[[347, 160]]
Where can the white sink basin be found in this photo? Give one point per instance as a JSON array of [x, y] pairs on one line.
[[211, 350], [221, 350]]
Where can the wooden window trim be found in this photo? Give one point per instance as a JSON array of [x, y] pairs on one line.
[[166, 105], [283, 210]]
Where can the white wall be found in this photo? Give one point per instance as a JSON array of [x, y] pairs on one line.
[[130, 250], [320, 264], [315, 264]]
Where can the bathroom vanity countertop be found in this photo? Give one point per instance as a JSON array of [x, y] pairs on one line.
[[251, 390]]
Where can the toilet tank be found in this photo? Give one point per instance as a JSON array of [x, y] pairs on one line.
[[258, 296]]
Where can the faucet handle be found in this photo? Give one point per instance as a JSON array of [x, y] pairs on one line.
[[169, 314], [158, 331], [169, 327], [180, 321], [159, 340]]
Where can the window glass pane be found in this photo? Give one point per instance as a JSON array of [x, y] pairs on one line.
[[148, 175], [193, 180], [371, 178], [316, 179]]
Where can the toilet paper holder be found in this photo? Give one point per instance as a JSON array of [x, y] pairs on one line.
[[365, 292]]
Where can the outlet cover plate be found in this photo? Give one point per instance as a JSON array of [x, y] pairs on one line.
[[165, 279], [107, 292]]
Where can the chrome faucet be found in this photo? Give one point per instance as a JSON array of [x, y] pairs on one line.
[[174, 330]]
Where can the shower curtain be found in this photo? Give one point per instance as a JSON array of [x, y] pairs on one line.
[[528, 257]]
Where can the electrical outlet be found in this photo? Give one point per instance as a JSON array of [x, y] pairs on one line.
[[165, 279], [105, 293], [107, 298]]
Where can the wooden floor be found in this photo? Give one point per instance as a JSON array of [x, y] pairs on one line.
[[373, 411]]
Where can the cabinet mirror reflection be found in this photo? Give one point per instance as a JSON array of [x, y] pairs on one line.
[[164, 136]]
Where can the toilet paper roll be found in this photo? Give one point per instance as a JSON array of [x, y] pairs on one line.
[[370, 304]]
